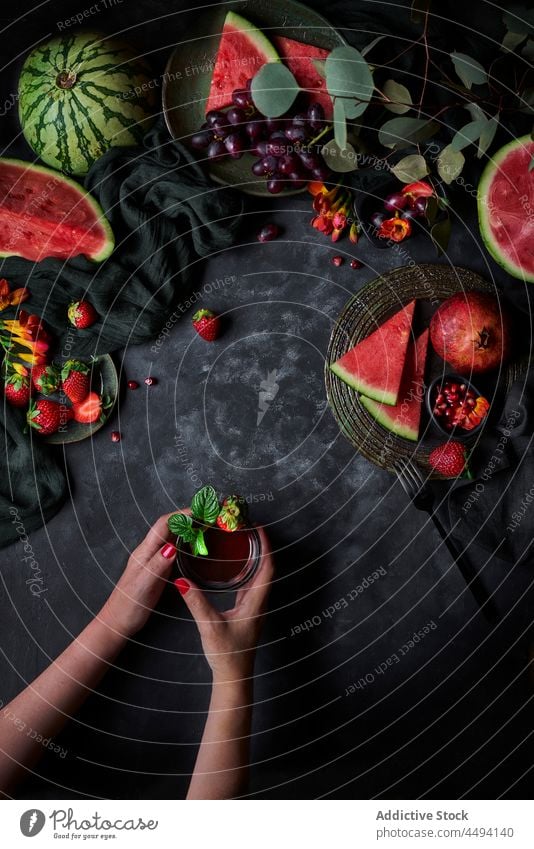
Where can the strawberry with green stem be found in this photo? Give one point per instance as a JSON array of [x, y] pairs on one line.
[[45, 379], [47, 416], [233, 514], [75, 380], [450, 460], [17, 389], [207, 324]]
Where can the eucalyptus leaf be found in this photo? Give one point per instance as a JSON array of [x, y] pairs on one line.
[[477, 114], [527, 99], [399, 97], [469, 70], [274, 89], [487, 135], [441, 233], [519, 18], [205, 505], [368, 47], [411, 168], [320, 67], [354, 108], [450, 163], [431, 210], [182, 526], [512, 40], [339, 160], [348, 75], [340, 124], [468, 134], [402, 132], [527, 51]]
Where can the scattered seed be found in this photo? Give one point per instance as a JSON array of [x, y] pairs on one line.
[[150, 381], [133, 384], [337, 261], [355, 263], [115, 436]]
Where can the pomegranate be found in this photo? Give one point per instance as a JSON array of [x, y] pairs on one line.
[[471, 331]]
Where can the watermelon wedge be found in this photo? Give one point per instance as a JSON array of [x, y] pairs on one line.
[[44, 214], [506, 208], [375, 365], [299, 59], [404, 418], [243, 50]]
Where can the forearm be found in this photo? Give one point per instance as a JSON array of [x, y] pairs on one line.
[[221, 769], [42, 709]]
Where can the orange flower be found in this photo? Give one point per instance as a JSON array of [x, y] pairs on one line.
[[332, 207], [9, 298], [395, 229]]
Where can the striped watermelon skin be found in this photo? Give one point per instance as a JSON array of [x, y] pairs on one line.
[[81, 94]]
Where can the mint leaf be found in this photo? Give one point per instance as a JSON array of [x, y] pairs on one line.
[[198, 546], [182, 526], [205, 505]]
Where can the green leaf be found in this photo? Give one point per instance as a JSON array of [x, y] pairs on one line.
[[468, 134], [339, 160], [274, 89], [519, 19], [340, 124], [431, 210], [399, 97], [320, 67], [450, 163], [528, 51], [199, 544], [441, 233], [348, 75], [527, 100], [487, 135], [205, 505], [402, 132], [181, 526], [469, 70], [411, 168], [368, 47], [512, 40]]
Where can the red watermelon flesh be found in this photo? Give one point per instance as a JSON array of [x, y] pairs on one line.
[[375, 365], [299, 59], [404, 418], [243, 50], [44, 214]]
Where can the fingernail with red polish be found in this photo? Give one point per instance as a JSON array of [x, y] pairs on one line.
[[182, 585], [168, 551]]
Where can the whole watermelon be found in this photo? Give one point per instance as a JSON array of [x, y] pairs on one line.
[[81, 94]]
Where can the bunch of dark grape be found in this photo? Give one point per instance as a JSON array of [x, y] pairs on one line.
[[284, 145]]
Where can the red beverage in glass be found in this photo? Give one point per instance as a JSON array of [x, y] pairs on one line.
[[232, 559]]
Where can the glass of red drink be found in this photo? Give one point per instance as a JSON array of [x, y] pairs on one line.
[[232, 560]]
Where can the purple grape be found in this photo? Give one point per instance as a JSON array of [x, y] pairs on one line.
[[300, 120], [200, 141], [217, 149], [235, 115], [395, 202], [419, 206], [296, 134], [316, 116], [321, 173], [269, 164], [257, 168], [261, 148], [275, 185], [214, 115], [241, 98], [234, 145], [222, 128], [268, 232], [255, 130], [310, 160], [277, 145], [288, 163], [274, 124], [377, 218]]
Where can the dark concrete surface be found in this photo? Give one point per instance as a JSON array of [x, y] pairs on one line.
[[448, 717]]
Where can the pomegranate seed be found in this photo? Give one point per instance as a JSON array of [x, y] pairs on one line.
[[115, 436], [337, 261], [150, 381], [355, 263], [463, 387], [133, 384]]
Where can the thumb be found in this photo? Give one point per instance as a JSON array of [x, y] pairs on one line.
[[199, 606]]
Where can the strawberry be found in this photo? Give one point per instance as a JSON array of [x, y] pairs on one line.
[[449, 459], [233, 514], [45, 379], [89, 410], [47, 416], [82, 314], [207, 325], [75, 380], [17, 390]]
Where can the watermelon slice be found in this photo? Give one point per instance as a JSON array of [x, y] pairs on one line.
[[299, 59], [243, 50], [44, 214], [404, 418], [374, 366], [506, 208]]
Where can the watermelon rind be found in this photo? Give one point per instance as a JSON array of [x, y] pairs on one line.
[[256, 36], [379, 414], [110, 102], [362, 386], [515, 269], [109, 239]]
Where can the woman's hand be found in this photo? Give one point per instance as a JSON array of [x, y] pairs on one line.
[[140, 586], [229, 639]]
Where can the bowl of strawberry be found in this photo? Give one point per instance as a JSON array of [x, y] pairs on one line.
[[456, 407]]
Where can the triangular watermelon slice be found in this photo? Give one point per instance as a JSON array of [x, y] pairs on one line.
[[299, 59], [243, 50], [404, 418], [374, 366]]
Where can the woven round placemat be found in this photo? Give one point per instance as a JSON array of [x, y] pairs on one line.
[[368, 309]]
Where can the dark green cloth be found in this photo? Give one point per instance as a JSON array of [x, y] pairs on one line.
[[166, 216]]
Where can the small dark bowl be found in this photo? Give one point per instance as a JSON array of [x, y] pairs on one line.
[[456, 432]]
